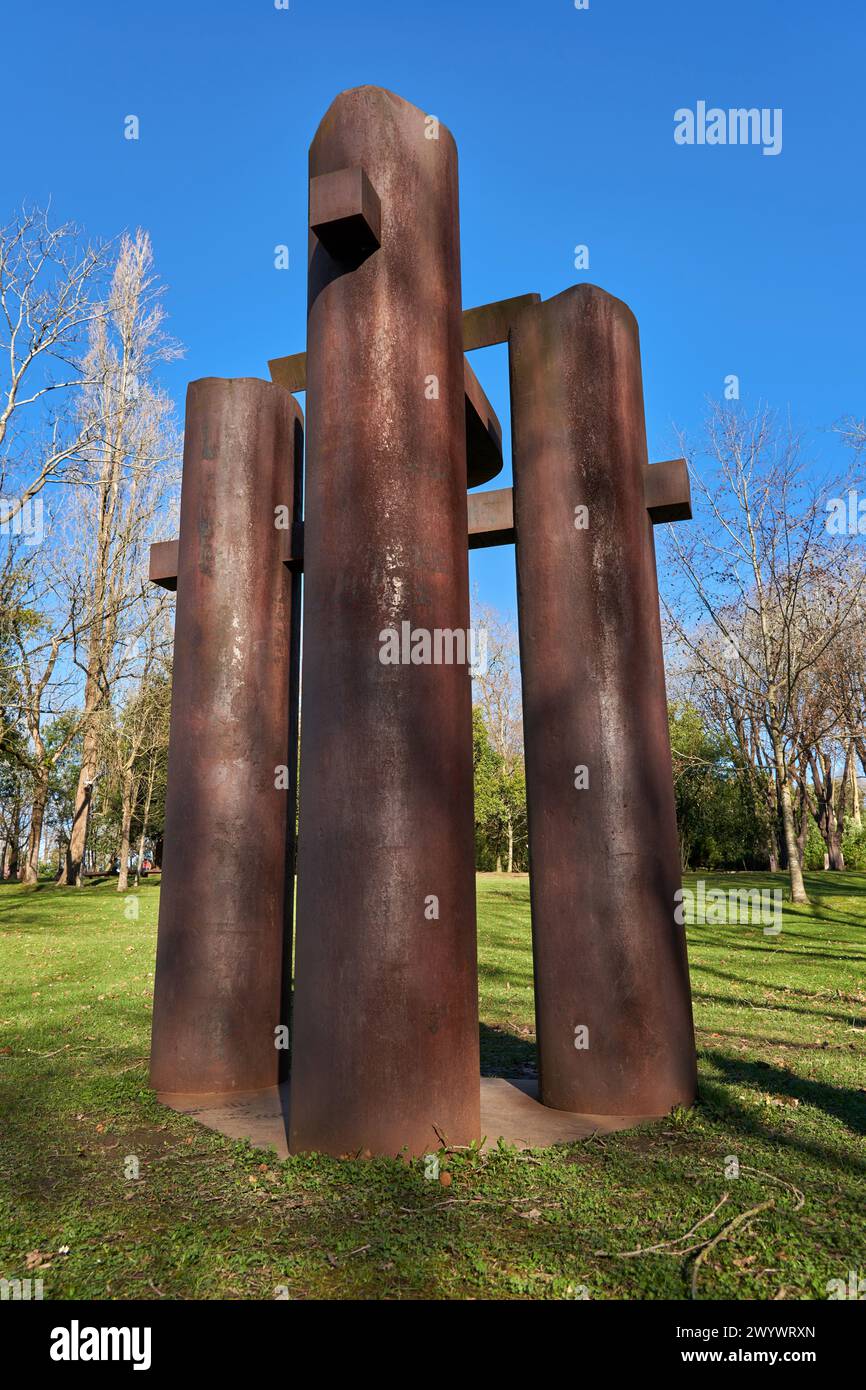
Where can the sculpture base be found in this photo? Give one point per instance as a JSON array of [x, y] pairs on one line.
[[509, 1110]]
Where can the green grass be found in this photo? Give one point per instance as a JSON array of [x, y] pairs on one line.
[[780, 1030]]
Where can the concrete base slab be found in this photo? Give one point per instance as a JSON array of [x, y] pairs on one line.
[[510, 1111]]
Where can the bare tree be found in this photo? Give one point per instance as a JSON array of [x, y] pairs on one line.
[[138, 737], [761, 566], [119, 491], [48, 277], [41, 688]]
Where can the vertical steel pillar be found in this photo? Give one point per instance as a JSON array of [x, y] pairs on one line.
[[221, 953], [604, 855], [385, 1030]]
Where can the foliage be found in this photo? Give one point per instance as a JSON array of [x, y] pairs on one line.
[[719, 817], [854, 845], [500, 800], [815, 849]]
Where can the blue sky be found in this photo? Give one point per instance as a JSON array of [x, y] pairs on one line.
[[733, 261]]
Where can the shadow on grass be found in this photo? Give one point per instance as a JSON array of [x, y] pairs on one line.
[[766, 1041], [505, 1054], [731, 1001], [703, 944], [839, 1102]]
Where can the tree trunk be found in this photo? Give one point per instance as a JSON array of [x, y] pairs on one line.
[[128, 795], [803, 832], [835, 853], [773, 845], [783, 785], [10, 853], [81, 815], [37, 816], [144, 815], [848, 784], [826, 817]]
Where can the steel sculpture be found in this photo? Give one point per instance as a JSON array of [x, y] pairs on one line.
[[384, 1029]]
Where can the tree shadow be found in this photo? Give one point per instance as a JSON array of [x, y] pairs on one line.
[[764, 1041], [841, 1103], [730, 1001], [506, 1054]]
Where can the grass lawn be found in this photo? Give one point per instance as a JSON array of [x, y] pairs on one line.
[[780, 1025]]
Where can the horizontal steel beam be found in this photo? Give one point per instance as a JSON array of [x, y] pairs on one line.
[[483, 326], [483, 430], [491, 323], [163, 564], [491, 517], [667, 491], [345, 212], [290, 372]]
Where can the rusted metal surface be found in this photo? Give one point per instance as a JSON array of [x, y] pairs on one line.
[[290, 372], [483, 430], [163, 564], [293, 546], [604, 861], [163, 556], [483, 326], [667, 491], [223, 947], [491, 518], [487, 324], [345, 212], [385, 1029]]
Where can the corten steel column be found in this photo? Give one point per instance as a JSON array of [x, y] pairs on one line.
[[229, 827], [385, 1028], [604, 860]]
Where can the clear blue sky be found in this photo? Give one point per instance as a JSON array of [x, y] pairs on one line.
[[734, 262]]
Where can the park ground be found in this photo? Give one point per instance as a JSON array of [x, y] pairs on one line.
[[651, 1213]]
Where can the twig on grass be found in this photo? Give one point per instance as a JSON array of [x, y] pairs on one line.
[[723, 1234], [662, 1248], [799, 1199]]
